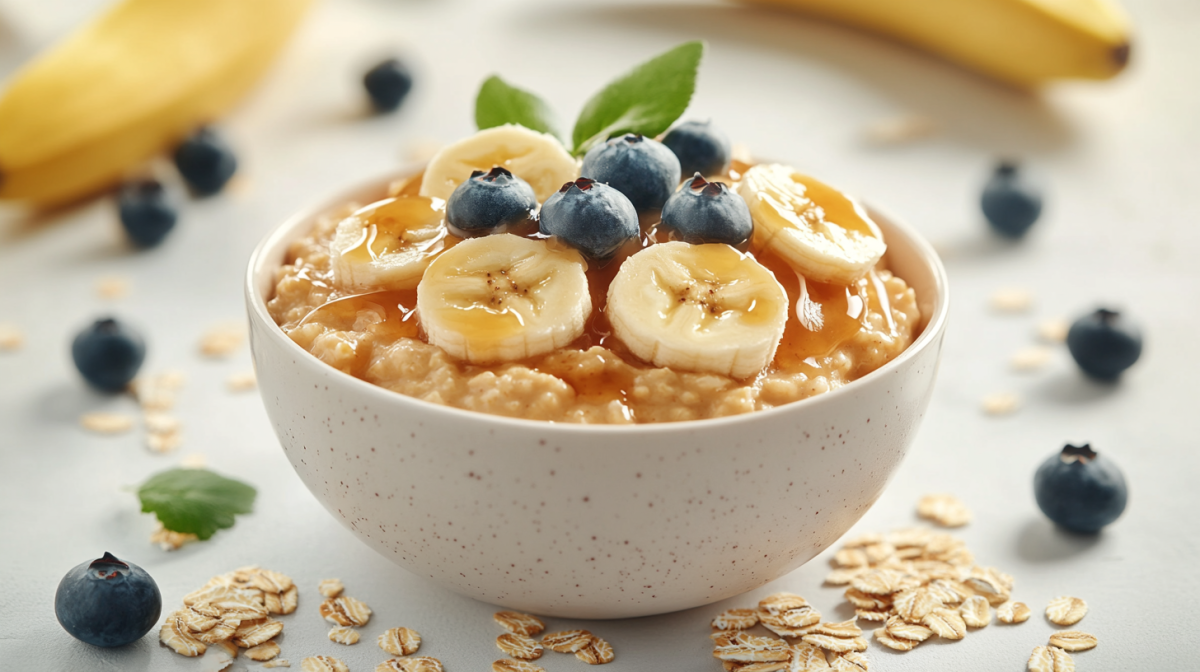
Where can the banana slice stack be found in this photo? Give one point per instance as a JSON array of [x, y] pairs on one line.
[[822, 233], [503, 298], [388, 244], [698, 308]]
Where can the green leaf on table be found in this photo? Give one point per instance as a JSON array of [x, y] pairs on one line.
[[646, 100], [195, 501], [500, 103]]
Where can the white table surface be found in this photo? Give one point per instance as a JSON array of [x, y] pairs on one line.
[[1121, 228]]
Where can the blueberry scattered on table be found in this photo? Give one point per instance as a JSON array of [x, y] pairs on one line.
[[147, 212], [707, 212], [205, 161], [1011, 201], [1080, 490], [701, 148], [594, 218], [388, 83], [108, 354], [107, 602], [1104, 343], [641, 168], [487, 202]]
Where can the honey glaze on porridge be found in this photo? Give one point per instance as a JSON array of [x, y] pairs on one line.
[[834, 335]]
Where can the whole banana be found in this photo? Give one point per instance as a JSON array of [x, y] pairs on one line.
[[129, 85], [1023, 42]]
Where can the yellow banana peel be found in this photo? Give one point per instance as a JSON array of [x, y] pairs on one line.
[[128, 86], [1022, 42]]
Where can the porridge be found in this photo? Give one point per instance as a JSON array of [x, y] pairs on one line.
[[528, 324]]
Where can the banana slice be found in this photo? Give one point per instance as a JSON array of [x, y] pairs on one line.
[[820, 231], [698, 308], [388, 244], [537, 158], [502, 298]]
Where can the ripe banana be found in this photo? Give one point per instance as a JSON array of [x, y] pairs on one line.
[[819, 231], [387, 245], [698, 308], [503, 298], [1022, 42], [538, 158], [128, 86]]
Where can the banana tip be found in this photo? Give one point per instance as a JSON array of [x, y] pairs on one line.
[[1120, 55]]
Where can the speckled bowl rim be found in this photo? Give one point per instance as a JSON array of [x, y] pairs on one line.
[[277, 240]]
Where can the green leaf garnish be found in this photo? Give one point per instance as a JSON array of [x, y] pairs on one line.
[[500, 103], [195, 501], [646, 100]]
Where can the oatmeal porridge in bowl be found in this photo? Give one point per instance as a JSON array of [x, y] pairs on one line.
[[544, 396]]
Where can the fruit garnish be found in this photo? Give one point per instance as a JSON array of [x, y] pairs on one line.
[[590, 216], [489, 202], [195, 501], [499, 103], [205, 161], [701, 148], [147, 213], [1011, 202], [388, 84], [1079, 489], [537, 158], [107, 602], [641, 168], [1104, 343], [707, 212], [108, 354], [388, 244]]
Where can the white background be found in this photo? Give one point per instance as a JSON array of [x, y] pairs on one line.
[[1121, 228]]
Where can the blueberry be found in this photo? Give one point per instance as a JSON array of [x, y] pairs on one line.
[[205, 161], [1104, 343], [108, 354], [107, 602], [1011, 202], [489, 201], [642, 169], [146, 212], [591, 217], [701, 148], [707, 212], [1080, 490], [387, 84]]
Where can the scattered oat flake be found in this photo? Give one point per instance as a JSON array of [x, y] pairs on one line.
[[761, 667], [264, 651], [1054, 330], [900, 629], [867, 601], [157, 392], [510, 665], [844, 629], [1013, 612], [944, 509], [112, 287], [331, 588], [851, 661], [323, 664], [271, 582], [519, 646], [222, 340], [843, 576], [257, 634], [340, 634], [946, 623], [277, 663], [1050, 659], [11, 338], [730, 619], [895, 643], [874, 616], [169, 540], [899, 129], [807, 658], [178, 639], [164, 443], [241, 382], [1001, 403], [781, 602], [106, 423], [597, 652], [740, 647], [288, 600], [975, 611], [1073, 640], [1011, 300], [193, 461], [518, 623], [345, 610], [400, 641], [570, 641], [417, 664], [1031, 358], [1066, 610], [878, 581], [836, 644]]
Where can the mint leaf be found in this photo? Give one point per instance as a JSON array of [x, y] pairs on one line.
[[500, 103], [195, 501], [646, 100]]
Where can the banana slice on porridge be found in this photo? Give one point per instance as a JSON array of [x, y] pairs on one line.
[[821, 232], [703, 308], [538, 158], [388, 244], [503, 298]]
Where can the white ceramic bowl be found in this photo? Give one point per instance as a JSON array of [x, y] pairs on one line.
[[593, 521]]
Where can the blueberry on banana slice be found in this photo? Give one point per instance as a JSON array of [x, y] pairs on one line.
[[641, 168], [490, 201], [594, 218], [707, 212], [701, 148]]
